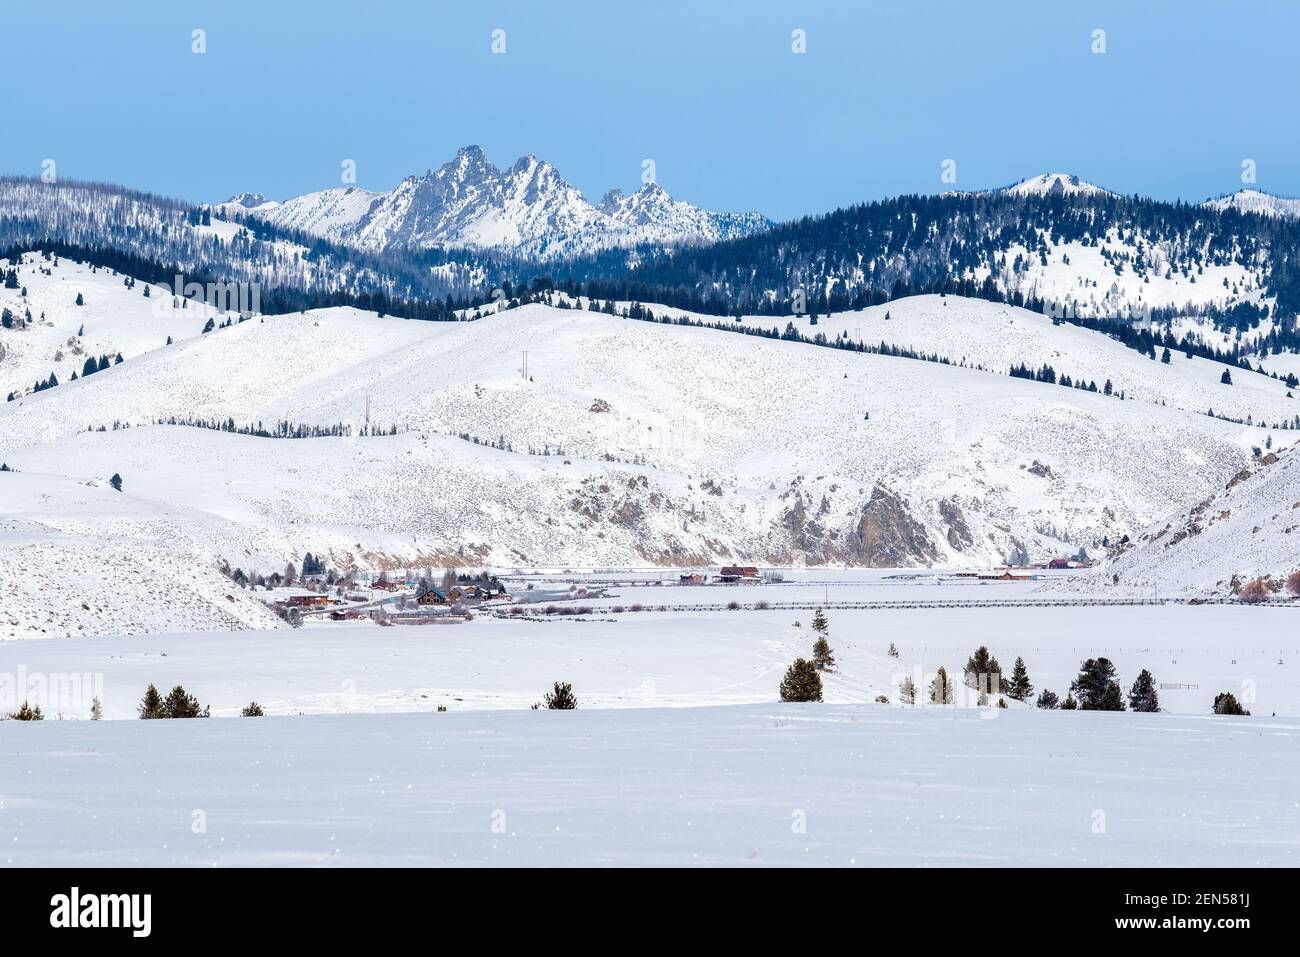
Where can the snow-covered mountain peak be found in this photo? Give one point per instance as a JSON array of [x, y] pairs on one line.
[[529, 209], [246, 200], [1055, 184], [1250, 200]]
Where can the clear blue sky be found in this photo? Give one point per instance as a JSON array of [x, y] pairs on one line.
[[708, 89]]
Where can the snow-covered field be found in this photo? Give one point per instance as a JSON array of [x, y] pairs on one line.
[[698, 655], [832, 785]]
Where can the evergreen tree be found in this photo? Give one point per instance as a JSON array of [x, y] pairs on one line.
[[178, 704], [1069, 704], [1112, 699], [801, 682], [1142, 696], [116, 482], [941, 688], [1048, 700], [1226, 378], [820, 624], [893, 652], [561, 698], [1020, 687], [1226, 703], [252, 710], [823, 658], [96, 709], [907, 691], [983, 671], [152, 704], [1095, 677], [80, 300]]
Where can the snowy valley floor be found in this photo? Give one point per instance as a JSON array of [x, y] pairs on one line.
[[741, 785], [679, 753]]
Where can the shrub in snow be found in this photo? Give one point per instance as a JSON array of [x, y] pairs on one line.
[[1226, 703], [561, 698], [1002, 703], [26, 713], [116, 482], [893, 652], [1293, 583], [252, 710], [801, 682], [1142, 696], [882, 699], [733, 606], [96, 709], [1254, 592]]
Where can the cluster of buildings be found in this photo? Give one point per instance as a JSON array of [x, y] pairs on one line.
[[729, 574]]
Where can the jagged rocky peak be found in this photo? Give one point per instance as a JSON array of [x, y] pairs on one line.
[[247, 200], [529, 209]]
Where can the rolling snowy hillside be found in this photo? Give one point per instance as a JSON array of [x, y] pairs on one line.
[[1247, 528], [82, 559], [115, 318], [528, 210], [667, 444], [996, 337]]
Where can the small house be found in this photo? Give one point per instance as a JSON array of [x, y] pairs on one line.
[[432, 596]]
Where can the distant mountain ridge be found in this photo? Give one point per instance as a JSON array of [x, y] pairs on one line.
[[528, 210]]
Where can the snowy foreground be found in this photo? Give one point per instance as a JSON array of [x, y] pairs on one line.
[[739, 785]]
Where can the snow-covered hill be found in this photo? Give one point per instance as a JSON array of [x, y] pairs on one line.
[[667, 444], [1247, 528], [528, 209], [1055, 184], [1257, 201], [115, 318], [82, 559], [996, 337]]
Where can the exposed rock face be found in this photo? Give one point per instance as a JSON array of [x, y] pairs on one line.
[[888, 536], [959, 534]]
